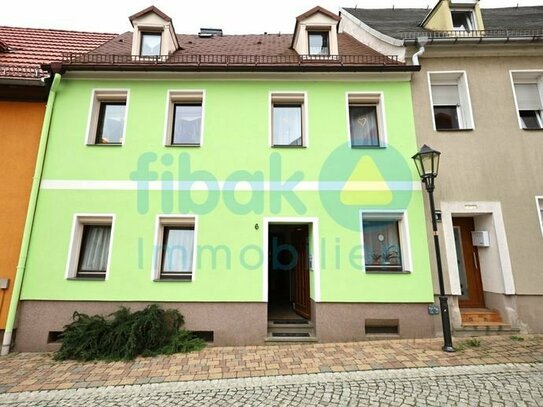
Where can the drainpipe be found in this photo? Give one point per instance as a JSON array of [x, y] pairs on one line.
[[30, 216], [421, 42]]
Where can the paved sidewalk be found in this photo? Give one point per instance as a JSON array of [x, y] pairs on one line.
[[487, 385], [37, 371]]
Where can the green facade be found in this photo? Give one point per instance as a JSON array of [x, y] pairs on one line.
[[231, 223]]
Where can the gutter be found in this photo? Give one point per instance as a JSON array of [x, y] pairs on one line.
[[477, 40], [30, 214]]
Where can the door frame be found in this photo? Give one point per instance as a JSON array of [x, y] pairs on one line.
[[314, 251]]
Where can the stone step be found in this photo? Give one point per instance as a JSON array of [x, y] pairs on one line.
[[485, 330], [289, 324], [290, 339], [480, 316]]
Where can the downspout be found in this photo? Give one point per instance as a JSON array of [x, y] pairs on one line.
[[30, 216], [421, 42]]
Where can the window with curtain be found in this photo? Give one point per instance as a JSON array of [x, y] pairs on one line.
[[382, 250], [446, 104], [177, 252], [187, 124], [110, 123], [150, 44], [287, 125], [363, 124], [319, 43], [94, 251], [530, 105]]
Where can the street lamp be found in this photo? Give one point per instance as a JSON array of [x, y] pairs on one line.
[[427, 163]]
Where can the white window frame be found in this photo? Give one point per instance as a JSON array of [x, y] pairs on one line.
[[174, 96], [465, 111], [172, 221], [376, 99], [97, 97], [539, 206], [288, 97], [529, 76], [472, 18], [404, 235], [74, 249]]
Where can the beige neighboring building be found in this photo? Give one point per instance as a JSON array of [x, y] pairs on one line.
[[478, 99]]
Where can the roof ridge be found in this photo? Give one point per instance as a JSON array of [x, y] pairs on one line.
[[56, 30]]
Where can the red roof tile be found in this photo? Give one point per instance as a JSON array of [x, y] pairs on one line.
[[28, 48]]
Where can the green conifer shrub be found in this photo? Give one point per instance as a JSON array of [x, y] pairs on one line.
[[123, 335]]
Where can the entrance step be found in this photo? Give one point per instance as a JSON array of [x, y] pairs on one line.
[[291, 330], [485, 330], [480, 316]]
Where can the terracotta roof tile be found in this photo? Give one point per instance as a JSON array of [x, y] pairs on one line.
[[28, 48]]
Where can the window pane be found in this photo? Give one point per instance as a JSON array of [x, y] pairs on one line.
[[287, 125], [382, 245], [150, 44], [110, 123], [363, 125], [528, 97], [318, 43], [177, 250], [446, 117], [462, 20], [187, 124], [531, 119], [445, 95], [94, 250]]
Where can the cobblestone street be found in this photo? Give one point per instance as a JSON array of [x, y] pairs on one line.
[[491, 385]]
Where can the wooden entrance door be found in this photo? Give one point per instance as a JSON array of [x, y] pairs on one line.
[[468, 265], [302, 302]]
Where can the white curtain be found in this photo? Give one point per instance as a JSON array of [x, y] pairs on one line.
[[188, 124], [96, 248], [381, 243], [178, 250], [287, 125], [363, 123]]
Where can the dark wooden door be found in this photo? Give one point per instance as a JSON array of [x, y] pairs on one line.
[[302, 302], [468, 265]]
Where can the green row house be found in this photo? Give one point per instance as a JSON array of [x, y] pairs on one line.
[[260, 184]]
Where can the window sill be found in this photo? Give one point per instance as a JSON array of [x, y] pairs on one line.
[[293, 147], [86, 278], [368, 147], [383, 271], [453, 130], [172, 280], [104, 145], [527, 129], [183, 145]]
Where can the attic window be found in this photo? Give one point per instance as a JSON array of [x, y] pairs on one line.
[[463, 20], [150, 44], [319, 43]]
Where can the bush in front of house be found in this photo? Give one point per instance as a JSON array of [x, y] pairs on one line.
[[123, 335]]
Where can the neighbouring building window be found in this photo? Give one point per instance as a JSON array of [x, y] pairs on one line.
[[176, 249], [463, 20], [366, 121], [450, 101], [185, 117], [319, 43], [90, 249], [150, 44], [107, 118], [530, 105], [385, 240], [539, 201], [288, 120]]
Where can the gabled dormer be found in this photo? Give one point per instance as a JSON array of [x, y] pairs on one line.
[[153, 33], [454, 15], [315, 33]]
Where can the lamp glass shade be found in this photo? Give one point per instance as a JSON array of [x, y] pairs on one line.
[[427, 162]]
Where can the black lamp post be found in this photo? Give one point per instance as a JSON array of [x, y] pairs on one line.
[[427, 163]]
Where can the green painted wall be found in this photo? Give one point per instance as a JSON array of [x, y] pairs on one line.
[[235, 138]]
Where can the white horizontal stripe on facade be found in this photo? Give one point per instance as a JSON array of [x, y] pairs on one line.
[[95, 185]]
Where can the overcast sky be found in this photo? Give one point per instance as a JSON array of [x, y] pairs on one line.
[[233, 16]]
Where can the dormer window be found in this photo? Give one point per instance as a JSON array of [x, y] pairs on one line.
[[463, 20], [150, 44], [319, 43]]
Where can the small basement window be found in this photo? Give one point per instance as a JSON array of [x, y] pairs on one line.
[[382, 327], [54, 337], [207, 336]]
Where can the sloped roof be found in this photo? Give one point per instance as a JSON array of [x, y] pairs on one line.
[[29, 48], [317, 9], [150, 9], [395, 22]]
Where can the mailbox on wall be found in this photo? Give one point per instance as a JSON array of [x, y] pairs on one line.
[[480, 238]]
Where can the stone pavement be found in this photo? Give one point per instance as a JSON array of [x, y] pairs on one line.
[[37, 371], [487, 385]]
